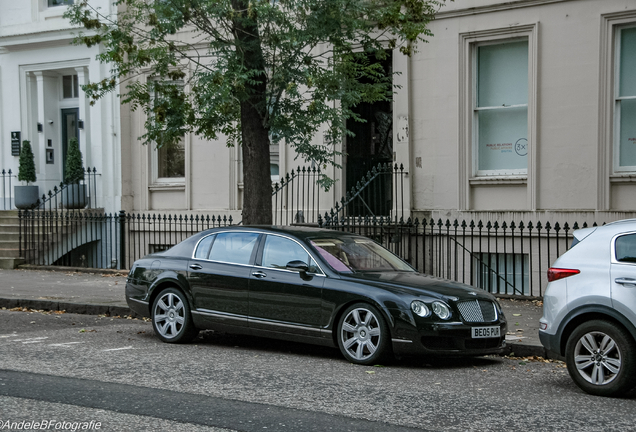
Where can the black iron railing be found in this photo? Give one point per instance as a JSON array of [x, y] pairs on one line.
[[95, 239], [8, 178], [502, 258], [296, 198], [142, 234], [379, 193], [82, 194]]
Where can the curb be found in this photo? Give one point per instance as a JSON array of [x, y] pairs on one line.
[[73, 269], [77, 308], [515, 349], [525, 350]]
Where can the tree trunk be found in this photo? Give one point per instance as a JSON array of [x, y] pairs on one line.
[[257, 183]]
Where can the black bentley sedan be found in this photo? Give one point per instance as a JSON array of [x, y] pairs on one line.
[[311, 285]]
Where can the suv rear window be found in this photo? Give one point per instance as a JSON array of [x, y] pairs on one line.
[[625, 248]]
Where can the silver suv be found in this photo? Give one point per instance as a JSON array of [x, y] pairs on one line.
[[589, 308]]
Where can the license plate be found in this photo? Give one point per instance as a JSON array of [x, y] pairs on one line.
[[485, 332]]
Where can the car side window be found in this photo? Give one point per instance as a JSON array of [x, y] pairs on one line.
[[233, 247], [203, 248], [626, 248], [278, 251]]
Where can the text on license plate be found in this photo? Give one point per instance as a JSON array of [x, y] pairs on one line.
[[485, 332]]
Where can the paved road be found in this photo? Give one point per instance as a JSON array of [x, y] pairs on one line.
[[82, 368], [96, 293]]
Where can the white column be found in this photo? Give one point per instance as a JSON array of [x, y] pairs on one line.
[[2, 133], [401, 128], [233, 183], [84, 137], [41, 136]]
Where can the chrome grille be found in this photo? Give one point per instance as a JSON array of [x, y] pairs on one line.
[[476, 311]]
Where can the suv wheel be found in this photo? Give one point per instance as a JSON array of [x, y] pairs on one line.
[[601, 358]]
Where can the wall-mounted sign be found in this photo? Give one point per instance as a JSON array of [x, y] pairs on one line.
[[15, 143]]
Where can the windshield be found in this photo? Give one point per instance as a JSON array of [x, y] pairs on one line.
[[351, 254]]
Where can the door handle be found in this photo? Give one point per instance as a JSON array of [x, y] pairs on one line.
[[631, 283], [195, 267], [259, 274]]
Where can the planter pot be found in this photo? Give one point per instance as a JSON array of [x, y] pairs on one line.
[[26, 197], [74, 196]]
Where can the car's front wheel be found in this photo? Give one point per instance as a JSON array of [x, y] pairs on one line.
[[601, 358], [171, 317], [363, 336]]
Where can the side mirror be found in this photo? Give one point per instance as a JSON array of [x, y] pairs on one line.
[[298, 265]]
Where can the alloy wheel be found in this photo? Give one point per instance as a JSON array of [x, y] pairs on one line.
[[360, 334], [169, 315], [601, 358], [597, 358]]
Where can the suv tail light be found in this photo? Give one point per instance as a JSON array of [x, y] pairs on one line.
[[559, 273]]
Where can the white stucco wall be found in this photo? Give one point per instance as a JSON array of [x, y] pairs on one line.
[[569, 170], [35, 41], [566, 170]]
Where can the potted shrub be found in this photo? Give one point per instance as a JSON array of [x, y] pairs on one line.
[[74, 195], [26, 196]]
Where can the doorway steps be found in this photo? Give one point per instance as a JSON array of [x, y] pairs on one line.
[[10, 240]]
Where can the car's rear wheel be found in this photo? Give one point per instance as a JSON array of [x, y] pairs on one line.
[[601, 358], [171, 317], [363, 336]]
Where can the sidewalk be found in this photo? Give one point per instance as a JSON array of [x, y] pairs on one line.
[[102, 293]]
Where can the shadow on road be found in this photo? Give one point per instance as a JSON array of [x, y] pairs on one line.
[[301, 349]]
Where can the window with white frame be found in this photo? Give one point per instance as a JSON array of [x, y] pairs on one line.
[[168, 157], [500, 108], [70, 87], [171, 161], [53, 3], [274, 162], [625, 100]]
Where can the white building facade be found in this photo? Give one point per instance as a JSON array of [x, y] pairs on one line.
[[527, 107], [42, 101], [520, 109]]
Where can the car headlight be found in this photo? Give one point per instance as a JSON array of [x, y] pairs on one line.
[[441, 310], [419, 308]]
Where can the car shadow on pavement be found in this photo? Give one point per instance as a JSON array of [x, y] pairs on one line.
[[446, 362], [302, 349], [265, 344]]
